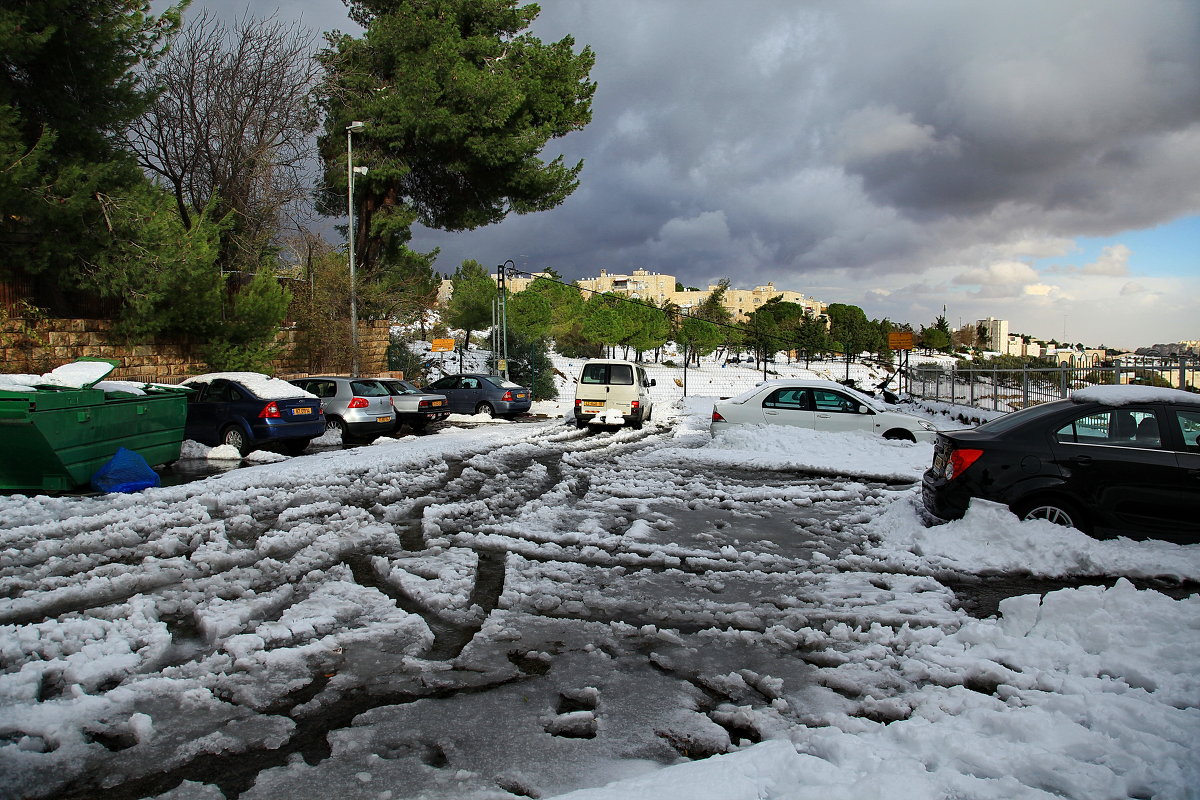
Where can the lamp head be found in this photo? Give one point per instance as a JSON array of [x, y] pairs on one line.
[[356, 127]]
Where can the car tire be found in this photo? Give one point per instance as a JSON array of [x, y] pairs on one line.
[[1053, 509], [485, 408], [294, 447], [233, 435], [900, 434], [335, 424], [417, 427]]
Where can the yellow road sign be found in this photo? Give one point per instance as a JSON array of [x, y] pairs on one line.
[[442, 345]]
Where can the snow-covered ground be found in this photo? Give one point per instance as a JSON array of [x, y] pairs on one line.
[[525, 609]]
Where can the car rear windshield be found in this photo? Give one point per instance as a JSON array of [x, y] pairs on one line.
[[1018, 418], [368, 389], [616, 374], [501, 383]]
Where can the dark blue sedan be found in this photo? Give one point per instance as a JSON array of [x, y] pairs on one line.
[[249, 410]]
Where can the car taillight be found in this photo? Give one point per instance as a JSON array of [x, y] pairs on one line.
[[270, 411], [716, 417], [357, 402], [960, 460], [507, 397], [635, 405]]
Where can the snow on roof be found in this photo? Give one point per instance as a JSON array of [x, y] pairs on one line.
[[263, 386], [1127, 394]]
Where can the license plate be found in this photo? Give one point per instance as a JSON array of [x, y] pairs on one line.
[[438, 403], [521, 396], [384, 419], [593, 403], [301, 410]]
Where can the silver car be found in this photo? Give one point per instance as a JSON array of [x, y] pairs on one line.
[[360, 408], [414, 407]]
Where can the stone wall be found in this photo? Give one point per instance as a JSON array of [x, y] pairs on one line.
[[37, 346]]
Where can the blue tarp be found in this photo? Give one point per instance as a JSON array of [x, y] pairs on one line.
[[125, 472]]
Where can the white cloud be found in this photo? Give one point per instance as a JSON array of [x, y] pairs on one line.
[[1114, 260], [1010, 274]]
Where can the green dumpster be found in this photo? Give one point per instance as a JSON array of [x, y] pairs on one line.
[[54, 436]]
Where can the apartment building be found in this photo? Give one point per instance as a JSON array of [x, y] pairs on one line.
[[655, 287], [741, 303], [640, 284]]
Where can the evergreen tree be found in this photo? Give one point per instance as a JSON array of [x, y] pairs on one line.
[[458, 101], [812, 338], [68, 88], [471, 304]]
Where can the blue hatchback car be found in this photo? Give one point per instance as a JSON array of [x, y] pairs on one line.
[[249, 410], [476, 393]]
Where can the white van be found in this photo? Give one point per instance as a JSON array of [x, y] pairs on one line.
[[613, 393]]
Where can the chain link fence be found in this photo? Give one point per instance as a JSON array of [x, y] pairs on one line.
[[1006, 390]]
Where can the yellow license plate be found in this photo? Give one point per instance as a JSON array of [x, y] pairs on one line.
[[384, 419], [302, 410], [593, 403], [438, 403], [521, 396]]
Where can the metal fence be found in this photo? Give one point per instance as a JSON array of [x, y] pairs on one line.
[[1013, 389]]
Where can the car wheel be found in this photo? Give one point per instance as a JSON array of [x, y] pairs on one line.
[[294, 447], [234, 435], [899, 433], [1053, 509], [485, 408], [335, 424], [417, 426]]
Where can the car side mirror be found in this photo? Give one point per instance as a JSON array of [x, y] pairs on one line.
[[864, 410], [653, 382]]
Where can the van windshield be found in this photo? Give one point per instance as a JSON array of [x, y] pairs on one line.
[[616, 374]]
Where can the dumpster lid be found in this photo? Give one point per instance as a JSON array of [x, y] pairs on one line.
[[84, 373]]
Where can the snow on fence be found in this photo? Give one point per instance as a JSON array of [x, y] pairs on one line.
[[1013, 389]]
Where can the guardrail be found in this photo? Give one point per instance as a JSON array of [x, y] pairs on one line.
[[1013, 389]]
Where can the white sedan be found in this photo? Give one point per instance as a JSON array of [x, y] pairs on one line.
[[819, 405]]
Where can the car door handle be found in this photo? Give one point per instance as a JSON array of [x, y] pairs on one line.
[[770, 413], [1082, 461], [823, 416]]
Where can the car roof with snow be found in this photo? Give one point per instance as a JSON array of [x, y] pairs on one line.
[[264, 386], [1129, 394]]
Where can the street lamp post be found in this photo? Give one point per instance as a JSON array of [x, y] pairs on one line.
[[500, 271], [351, 129]]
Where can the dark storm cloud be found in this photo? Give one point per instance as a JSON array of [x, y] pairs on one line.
[[777, 137], [853, 147]]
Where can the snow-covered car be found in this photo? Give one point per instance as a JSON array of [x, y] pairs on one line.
[[414, 407], [819, 405], [250, 410]]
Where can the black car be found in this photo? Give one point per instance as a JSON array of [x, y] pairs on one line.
[[1110, 460]]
